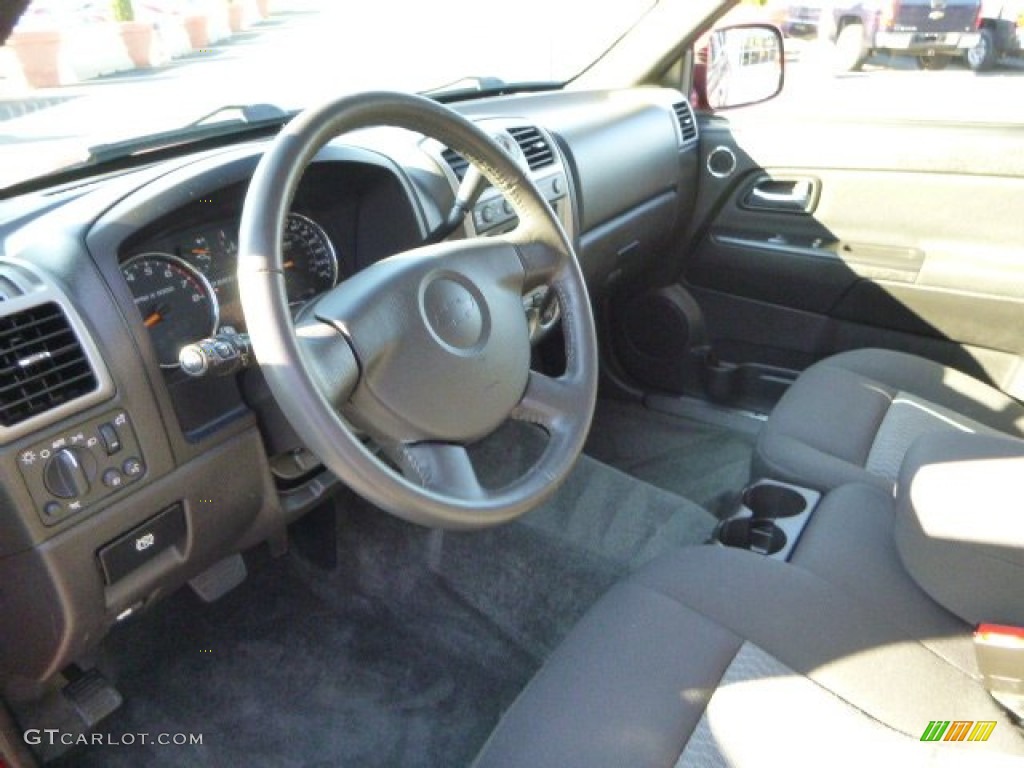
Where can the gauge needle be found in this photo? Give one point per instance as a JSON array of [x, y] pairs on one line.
[[154, 317]]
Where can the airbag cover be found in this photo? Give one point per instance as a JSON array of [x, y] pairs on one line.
[[455, 318]]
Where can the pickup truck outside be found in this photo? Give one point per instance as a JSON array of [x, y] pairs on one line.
[[934, 31], [1001, 34]]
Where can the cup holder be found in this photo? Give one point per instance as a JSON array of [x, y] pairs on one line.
[[753, 533], [769, 519], [773, 501]]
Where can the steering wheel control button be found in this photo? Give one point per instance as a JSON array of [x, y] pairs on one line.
[[132, 467], [111, 440], [454, 314], [70, 468], [112, 478], [69, 472], [140, 545]]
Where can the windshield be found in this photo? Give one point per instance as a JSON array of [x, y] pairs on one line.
[[76, 74]]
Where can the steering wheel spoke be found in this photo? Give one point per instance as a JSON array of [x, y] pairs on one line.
[[441, 467], [542, 260], [548, 401], [328, 358]]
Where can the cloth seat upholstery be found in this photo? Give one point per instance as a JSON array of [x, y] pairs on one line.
[[852, 417], [716, 656]]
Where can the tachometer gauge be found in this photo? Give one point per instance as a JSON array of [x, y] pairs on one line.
[[310, 263], [178, 305]]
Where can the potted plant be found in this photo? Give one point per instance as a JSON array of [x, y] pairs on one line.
[[137, 35], [197, 25], [236, 16], [38, 53]]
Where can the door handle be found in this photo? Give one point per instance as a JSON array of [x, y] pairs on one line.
[[799, 192], [788, 195]]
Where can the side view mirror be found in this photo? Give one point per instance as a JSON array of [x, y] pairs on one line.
[[743, 65]]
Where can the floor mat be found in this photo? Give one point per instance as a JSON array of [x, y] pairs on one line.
[[377, 642], [704, 463], [598, 508], [536, 577], [275, 675]]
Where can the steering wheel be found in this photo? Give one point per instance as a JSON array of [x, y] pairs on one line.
[[426, 351]]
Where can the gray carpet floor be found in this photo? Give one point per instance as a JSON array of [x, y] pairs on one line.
[[535, 578], [276, 675], [705, 463], [379, 643]]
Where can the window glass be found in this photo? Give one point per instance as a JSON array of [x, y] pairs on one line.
[[933, 60]]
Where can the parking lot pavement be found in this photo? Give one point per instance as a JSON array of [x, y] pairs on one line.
[[892, 87]]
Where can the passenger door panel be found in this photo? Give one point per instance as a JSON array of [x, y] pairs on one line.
[[911, 237]]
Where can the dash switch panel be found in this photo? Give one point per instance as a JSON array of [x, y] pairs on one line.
[[75, 468]]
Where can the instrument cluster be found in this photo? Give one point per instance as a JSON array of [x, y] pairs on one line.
[[186, 288]]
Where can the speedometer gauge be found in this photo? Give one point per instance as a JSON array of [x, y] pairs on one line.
[[178, 305], [310, 263]]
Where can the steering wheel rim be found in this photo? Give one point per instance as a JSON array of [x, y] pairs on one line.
[[446, 310]]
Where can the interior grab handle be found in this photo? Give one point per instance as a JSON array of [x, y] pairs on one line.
[[800, 192], [790, 195]]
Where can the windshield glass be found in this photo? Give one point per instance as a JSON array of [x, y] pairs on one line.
[[76, 74]]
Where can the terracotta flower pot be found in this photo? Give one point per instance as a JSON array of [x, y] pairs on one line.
[[38, 52], [138, 40], [198, 29], [236, 18]]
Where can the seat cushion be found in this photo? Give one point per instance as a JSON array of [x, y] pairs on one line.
[[670, 667], [852, 417], [959, 529]]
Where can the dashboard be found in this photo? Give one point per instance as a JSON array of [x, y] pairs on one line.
[[121, 475]]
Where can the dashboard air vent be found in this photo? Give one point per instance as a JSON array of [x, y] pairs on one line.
[[10, 283], [536, 149], [8, 289], [456, 162], [687, 122], [42, 363]]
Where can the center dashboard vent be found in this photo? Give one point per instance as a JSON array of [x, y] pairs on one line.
[[8, 289], [11, 282], [42, 363], [687, 120], [456, 162], [535, 147]]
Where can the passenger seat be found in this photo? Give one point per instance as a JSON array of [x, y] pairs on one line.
[[852, 417]]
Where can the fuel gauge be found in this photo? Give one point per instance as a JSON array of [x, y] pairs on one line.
[[198, 254]]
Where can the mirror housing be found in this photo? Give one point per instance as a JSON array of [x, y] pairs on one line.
[[739, 66]]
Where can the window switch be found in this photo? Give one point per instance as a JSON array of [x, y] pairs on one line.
[[111, 440]]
